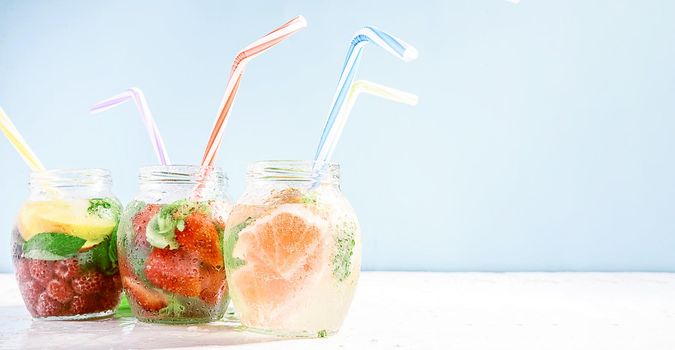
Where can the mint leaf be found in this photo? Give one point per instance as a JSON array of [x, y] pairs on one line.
[[160, 232], [124, 310], [322, 333], [98, 258], [309, 198], [52, 246], [344, 249], [173, 309], [104, 208], [231, 238]]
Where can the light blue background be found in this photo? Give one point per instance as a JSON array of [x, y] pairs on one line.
[[544, 137]]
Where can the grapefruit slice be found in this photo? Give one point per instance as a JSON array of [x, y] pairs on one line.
[[285, 254], [69, 217]]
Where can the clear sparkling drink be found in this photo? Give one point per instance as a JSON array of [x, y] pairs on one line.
[[292, 250]]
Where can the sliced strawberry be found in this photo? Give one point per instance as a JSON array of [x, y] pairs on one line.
[[59, 290], [41, 270], [88, 283], [149, 300], [176, 271], [213, 285], [140, 223], [201, 236], [66, 269]]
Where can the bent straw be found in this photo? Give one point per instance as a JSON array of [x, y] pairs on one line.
[[138, 97], [15, 138], [358, 87], [365, 35], [242, 59]]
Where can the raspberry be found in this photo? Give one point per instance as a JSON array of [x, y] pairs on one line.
[[67, 269], [22, 270], [80, 305], [88, 283], [47, 306], [59, 291], [41, 270], [30, 290]]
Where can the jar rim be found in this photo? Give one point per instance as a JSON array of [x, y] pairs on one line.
[[71, 177], [294, 171], [180, 173]]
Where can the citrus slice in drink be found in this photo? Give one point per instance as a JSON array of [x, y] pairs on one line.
[[284, 254], [68, 217]]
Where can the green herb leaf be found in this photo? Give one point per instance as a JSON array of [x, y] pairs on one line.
[[344, 249], [52, 246], [231, 238], [98, 258], [104, 207], [322, 333], [173, 309], [124, 310], [309, 198]]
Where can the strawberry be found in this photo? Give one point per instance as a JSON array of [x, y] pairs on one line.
[[176, 271], [201, 235], [59, 290], [67, 269], [88, 283], [47, 306], [148, 299], [41, 270], [140, 223], [213, 285]]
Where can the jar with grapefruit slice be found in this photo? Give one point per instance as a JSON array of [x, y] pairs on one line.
[[170, 245], [63, 245], [292, 250]]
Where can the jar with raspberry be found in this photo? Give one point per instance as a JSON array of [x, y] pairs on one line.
[[64, 248]]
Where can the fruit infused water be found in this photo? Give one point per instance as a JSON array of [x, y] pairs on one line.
[[292, 251], [64, 245], [171, 245]]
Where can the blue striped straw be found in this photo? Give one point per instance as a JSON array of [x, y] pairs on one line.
[[365, 35]]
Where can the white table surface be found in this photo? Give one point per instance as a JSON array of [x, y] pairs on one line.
[[412, 310]]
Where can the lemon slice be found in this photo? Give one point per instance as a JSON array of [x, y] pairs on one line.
[[68, 217]]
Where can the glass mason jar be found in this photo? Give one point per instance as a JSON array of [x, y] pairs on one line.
[[63, 245], [292, 250], [170, 245]]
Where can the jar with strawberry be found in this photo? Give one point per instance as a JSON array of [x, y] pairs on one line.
[[170, 245], [63, 245]]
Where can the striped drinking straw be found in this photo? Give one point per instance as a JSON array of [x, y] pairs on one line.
[[391, 44], [136, 95], [15, 138], [358, 87], [242, 59]]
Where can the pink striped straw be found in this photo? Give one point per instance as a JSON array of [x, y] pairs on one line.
[[138, 97], [243, 58]]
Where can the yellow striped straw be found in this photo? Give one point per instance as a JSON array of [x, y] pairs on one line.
[[358, 87], [15, 138]]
